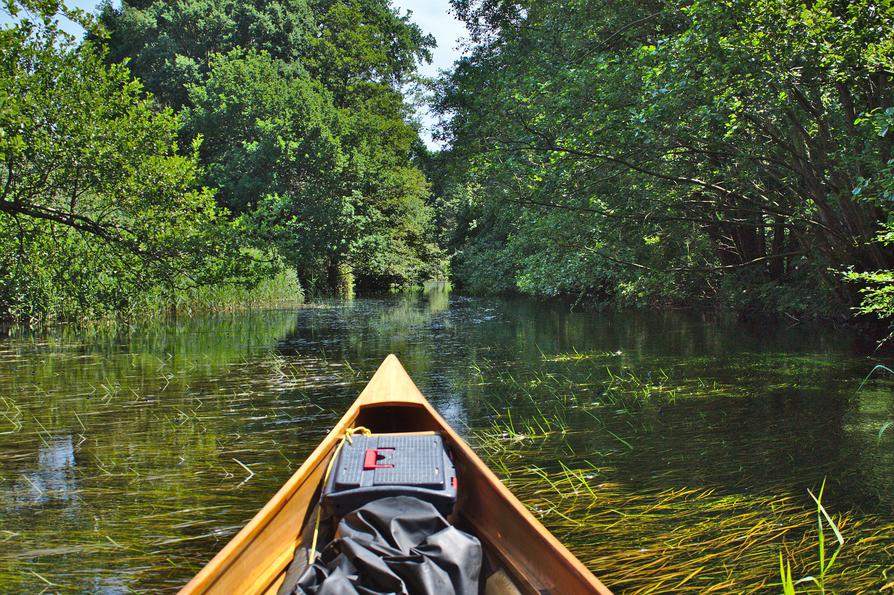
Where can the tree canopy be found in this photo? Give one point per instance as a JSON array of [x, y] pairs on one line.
[[302, 121], [96, 200], [662, 151], [734, 152]]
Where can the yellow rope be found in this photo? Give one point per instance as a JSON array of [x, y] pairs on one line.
[[349, 433], [358, 430]]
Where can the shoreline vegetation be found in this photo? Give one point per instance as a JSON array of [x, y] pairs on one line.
[[738, 153], [168, 163], [280, 291], [736, 156]]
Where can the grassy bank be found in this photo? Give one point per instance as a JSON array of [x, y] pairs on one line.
[[282, 290], [52, 304]]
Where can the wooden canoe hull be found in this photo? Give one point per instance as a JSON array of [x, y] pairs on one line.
[[255, 560]]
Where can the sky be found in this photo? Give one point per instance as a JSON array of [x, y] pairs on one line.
[[432, 16]]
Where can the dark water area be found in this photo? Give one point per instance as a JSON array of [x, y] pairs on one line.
[[129, 455]]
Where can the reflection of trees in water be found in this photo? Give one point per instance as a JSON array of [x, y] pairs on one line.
[[113, 354], [128, 439], [438, 296]]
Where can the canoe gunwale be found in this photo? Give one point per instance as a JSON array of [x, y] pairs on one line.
[[218, 565]]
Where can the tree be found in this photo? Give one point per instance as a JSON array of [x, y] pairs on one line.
[[96, 202], [364, 48], [168, 44], [877, 289], [675, 150], [271, 144], [307, 135]]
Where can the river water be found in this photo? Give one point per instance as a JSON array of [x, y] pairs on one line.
[[130, 454]]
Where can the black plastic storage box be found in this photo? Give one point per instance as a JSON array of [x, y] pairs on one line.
[[382, 465]]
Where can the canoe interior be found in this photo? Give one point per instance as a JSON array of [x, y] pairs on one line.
[[256, 559]]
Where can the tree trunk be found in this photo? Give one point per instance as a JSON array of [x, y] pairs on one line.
[[341, 279], [777, 264]]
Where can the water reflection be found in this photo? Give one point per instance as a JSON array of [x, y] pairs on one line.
[[121, 447], [54, 477]]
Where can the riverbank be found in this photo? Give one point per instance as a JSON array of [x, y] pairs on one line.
[[54, 305], [743, 307], [281, 291]]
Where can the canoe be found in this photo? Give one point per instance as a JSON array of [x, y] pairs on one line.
[[529, 556]]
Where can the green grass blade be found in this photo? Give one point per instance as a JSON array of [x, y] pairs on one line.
[[832, 525], [873, 371]]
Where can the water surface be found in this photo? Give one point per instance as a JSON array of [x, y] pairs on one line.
[[129, 455]]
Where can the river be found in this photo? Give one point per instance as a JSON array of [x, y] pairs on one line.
[[130, 454]]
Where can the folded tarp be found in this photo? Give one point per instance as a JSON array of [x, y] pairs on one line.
[[394, 545]]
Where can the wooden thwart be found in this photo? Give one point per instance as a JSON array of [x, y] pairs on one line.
[[255, 560]]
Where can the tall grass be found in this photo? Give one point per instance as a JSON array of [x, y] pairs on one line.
[[280, 291], [55, 304]]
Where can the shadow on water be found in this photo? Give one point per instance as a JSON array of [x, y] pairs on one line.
[[128, 455]]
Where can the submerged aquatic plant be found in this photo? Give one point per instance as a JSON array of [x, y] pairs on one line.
[[626, 388], [695, 540], [878, 368], [537, 427], [576, 356], [678, 539]]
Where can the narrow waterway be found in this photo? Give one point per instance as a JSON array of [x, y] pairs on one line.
[[129, 455]]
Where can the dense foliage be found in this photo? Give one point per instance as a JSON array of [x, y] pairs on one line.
[[97, 204], [877, 286], [304, 127], [207, 144], [739, 152], [670, 151]]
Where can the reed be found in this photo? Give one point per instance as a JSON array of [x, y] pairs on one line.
[[281, 291], [824, 566]]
